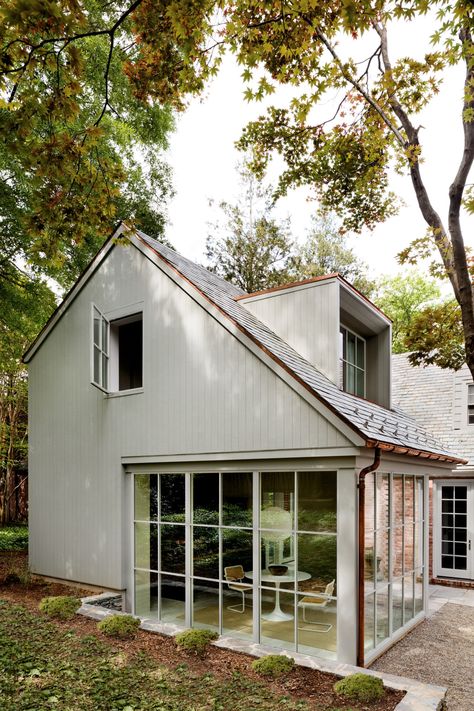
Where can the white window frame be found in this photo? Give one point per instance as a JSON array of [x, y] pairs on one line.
[[345, 363], [100, 347], [470, 404]]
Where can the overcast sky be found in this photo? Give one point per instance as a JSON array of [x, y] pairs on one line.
[[204, 158]]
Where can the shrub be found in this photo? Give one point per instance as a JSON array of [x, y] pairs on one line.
[[360, 687], [275, 665], [195, 640], [121, 626], [14, 538], [63, 607]]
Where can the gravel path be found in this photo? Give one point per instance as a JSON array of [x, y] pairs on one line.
[[439, 651]]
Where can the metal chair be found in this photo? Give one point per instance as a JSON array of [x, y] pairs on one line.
[[234, 574], [317, 602]]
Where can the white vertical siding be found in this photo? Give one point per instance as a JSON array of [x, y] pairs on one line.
[[308, 319], [203, 392]]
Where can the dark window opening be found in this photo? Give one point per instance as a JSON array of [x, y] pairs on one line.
[[130, 353]]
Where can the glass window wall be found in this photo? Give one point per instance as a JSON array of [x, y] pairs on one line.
[[394, 557], [238, 543]]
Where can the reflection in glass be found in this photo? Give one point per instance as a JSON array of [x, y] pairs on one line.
[[408, 597], [173, 541], [172, 599], [317, 501], [280, 633], [370, 563], [383, 501], [206, 605], [146, 546], [383, 555], [206, 498], [369, 622], [397, 604], [172, 497], [237, 499], [237, 548], [397, 489], [418, 591], [206, 552], [317, 555], [146, 497], [382, 614], [277, 500], [146, 593]]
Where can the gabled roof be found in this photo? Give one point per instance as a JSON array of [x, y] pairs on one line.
[[388, 429]]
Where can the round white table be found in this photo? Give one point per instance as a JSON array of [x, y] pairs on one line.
[[277, 614]]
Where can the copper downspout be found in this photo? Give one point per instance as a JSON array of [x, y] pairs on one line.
[[361, 486]]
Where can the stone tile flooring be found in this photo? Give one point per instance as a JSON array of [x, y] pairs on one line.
[[440, 650]]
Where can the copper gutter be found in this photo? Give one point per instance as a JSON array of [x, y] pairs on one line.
[[361, 601]]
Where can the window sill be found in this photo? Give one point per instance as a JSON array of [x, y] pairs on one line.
[[123, 393]]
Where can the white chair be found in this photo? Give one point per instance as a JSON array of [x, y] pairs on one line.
[[317, 602], [234, 574]]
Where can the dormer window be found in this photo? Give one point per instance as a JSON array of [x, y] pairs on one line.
[[352, 351]]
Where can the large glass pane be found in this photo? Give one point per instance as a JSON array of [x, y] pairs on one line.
[[317, 558], [397, 604], [206, 552], [397, 559], [277, 500], [236, 549], [419, 488], [351, 347], [105, 379], [370, 567], [206, 605], [370, 499], [317, 501], [408, 591], [277, 623], [360, 361], [237, 608], [146, 497], [383, 562], [351, 378], [146, 546], [146, 593], [172, 497], [360, 383], [409, 494], [369, 622], [317, 625], [418, 591], [105, 336], [409, 538], [397, 489], [383, 501], [382, 614], [206, 498], [172, 599], [173, 543], [237, 499]]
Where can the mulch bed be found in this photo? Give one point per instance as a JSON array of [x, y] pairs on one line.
[[309, 684]]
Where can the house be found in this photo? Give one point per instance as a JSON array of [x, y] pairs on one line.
[[442, 401], [189, 442]]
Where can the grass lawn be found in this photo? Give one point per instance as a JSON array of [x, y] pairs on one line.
[[70, 666]]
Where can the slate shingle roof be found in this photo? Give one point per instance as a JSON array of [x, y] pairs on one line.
[[389, 429]]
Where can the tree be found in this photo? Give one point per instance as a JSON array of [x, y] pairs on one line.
[[436, 336], [326, 251], [26, 304], [79, 151], [345, 156], [252, 250], [405, 299]]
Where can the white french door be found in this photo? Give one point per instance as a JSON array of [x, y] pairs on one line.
[[454, 529]]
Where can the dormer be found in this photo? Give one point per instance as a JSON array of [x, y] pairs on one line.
[[335, 328]]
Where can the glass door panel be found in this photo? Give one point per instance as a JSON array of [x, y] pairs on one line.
[[454, 521]]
